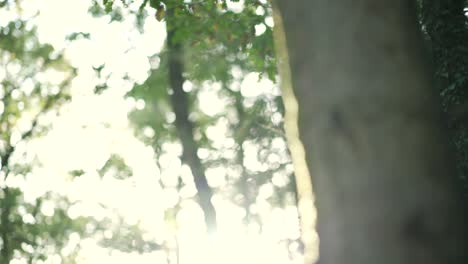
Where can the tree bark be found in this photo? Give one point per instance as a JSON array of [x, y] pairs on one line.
[[304, 194], [184, 126], [384, 183]]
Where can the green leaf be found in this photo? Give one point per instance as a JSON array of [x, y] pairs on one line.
[[155, 3], [108, 4], [77, 173]]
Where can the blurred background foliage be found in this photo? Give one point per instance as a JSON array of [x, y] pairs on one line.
[[235, 107]]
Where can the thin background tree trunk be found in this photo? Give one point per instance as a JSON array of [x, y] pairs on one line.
[[184, 126], [373, 136]]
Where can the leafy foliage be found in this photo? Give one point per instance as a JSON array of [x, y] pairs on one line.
[[126, 238], [444, 22], [31, 232], [27, 229], [117, 167], [220, 47]]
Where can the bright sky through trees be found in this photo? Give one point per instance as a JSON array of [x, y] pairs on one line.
[[93, 127]]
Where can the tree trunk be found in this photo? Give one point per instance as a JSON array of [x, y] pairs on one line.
[[184, 126], [304, 193], [374, 142]]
